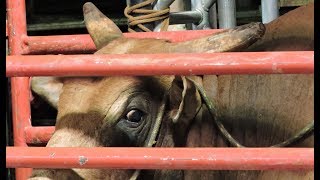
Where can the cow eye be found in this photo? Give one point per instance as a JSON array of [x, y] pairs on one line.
[[134, 115]]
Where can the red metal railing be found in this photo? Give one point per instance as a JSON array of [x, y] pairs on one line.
[[6, 28], [225, 63], [161, 64], [72, 44], [163, 158]]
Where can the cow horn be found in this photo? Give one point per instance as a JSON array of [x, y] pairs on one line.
[[101, 29], [235, 39]]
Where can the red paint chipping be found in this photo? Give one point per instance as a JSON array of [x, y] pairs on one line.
[[163, 158]]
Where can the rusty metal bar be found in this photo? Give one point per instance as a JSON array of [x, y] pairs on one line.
[[163, 158], [38, 135], [72, 44], [160, 64], [17, 32], [17, 27], [6, 28], [64, 44], [20, 108]]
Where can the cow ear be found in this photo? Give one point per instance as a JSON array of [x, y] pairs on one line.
[[101, 29], [48, 88], [184, 100]]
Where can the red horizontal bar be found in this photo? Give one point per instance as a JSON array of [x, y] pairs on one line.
[[38, 135], [163, 158], [160, 64], [72, 44], [64, 44]]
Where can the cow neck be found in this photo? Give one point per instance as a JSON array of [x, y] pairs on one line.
[[301, 135]]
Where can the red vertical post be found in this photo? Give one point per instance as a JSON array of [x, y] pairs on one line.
[[17, 33]]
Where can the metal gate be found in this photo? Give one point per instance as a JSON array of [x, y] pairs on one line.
[[21, 64]]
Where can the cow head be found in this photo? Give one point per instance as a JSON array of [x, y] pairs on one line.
[[123, 110]]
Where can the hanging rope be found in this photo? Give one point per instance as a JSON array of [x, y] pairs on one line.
[[149, 16]]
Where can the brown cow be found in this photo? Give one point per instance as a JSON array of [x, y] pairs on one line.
[[259, 110]]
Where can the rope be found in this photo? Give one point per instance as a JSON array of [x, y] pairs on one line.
[[149, 16], [301, 135], [154, 133]]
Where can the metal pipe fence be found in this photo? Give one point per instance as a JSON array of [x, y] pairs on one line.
[[19, 67]]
